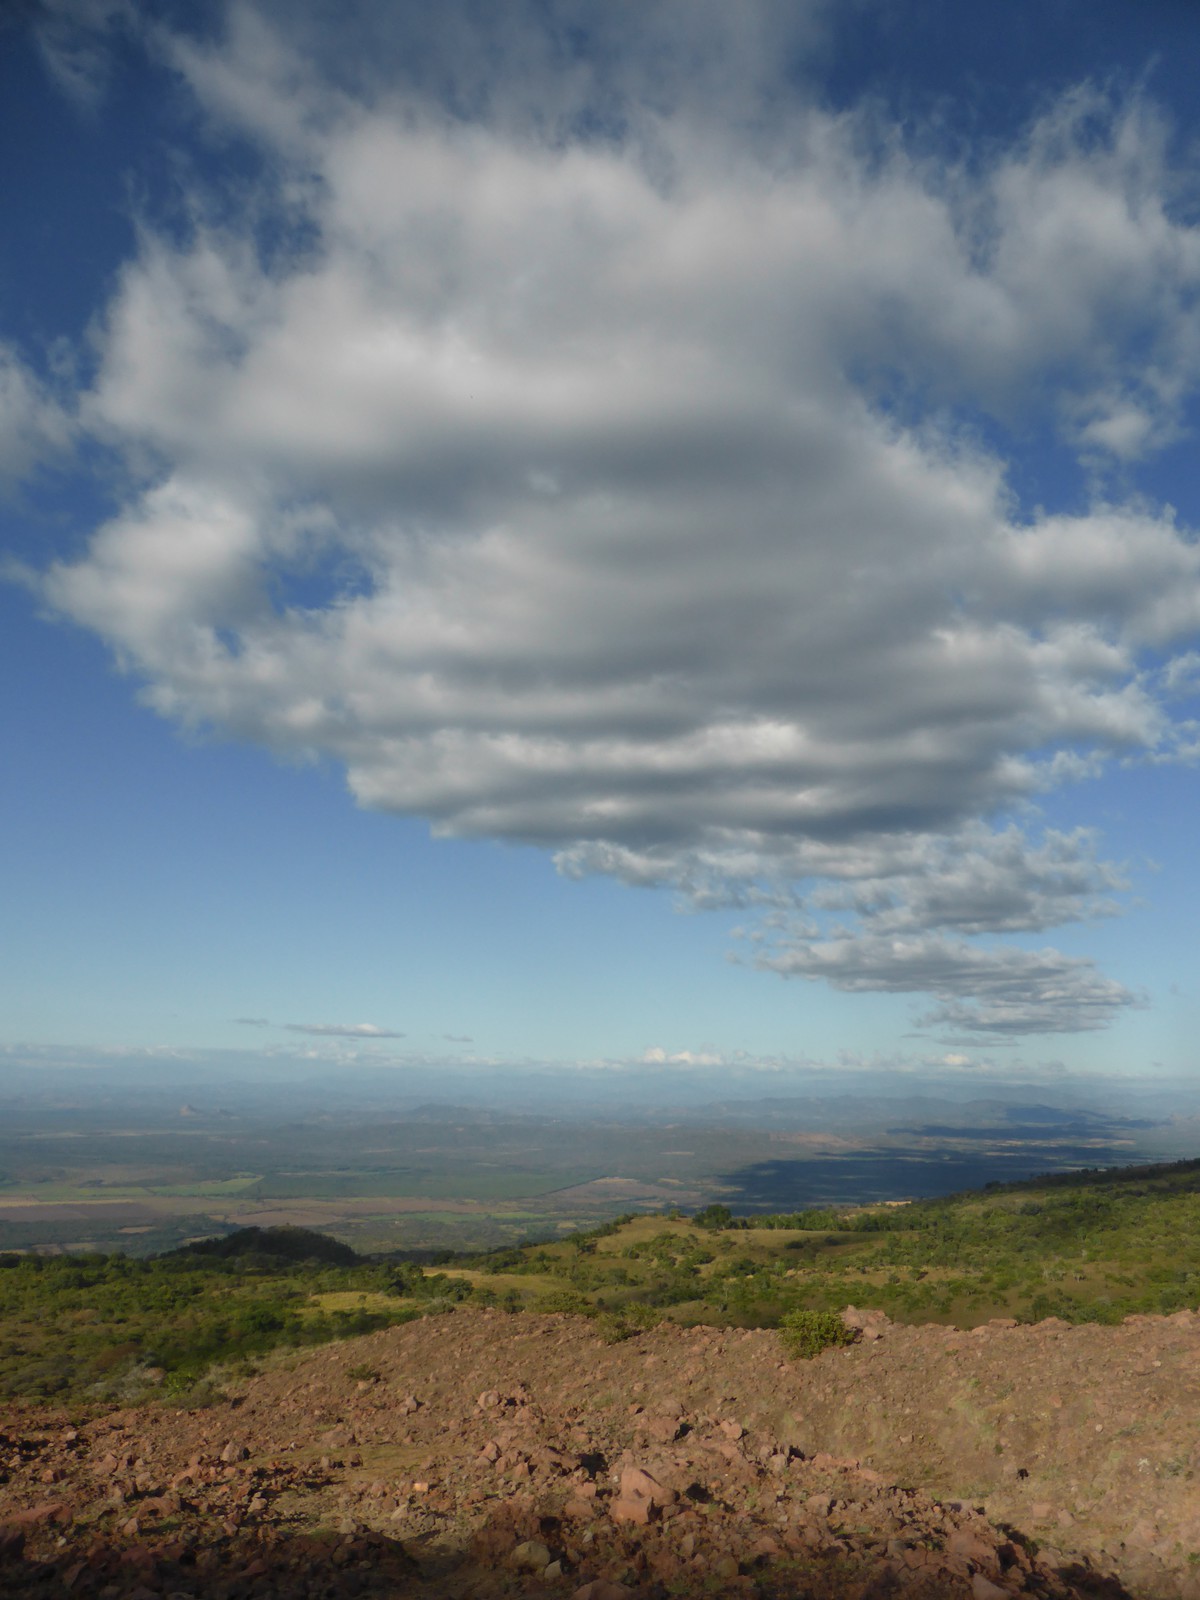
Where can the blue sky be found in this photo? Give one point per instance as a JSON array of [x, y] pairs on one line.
[[577, 533]]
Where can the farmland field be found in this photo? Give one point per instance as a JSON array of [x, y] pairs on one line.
[[144, 1167]]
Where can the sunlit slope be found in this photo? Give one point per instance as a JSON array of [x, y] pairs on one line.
[[1093, 1247]]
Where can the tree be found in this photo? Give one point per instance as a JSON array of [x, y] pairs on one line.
[[714, 1217]]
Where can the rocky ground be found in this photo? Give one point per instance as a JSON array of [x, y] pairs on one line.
[[479, 1454]]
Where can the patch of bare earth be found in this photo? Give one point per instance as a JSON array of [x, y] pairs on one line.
[[478, 1454]]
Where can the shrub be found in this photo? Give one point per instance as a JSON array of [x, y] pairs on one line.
[[806, 1333], [618, 1325], [563, 1300], [613, 1329]]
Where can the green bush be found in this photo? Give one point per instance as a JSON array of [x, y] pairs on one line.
[[806, 1333], [563, 1300], [716, 1217]]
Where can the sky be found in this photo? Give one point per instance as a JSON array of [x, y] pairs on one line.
[[655, 534]]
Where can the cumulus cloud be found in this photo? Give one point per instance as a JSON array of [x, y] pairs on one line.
[[343, 1030], [559, 483]]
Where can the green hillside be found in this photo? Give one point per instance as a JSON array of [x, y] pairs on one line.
[[1091, 1246]]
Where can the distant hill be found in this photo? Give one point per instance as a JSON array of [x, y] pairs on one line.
[[274, 1244]]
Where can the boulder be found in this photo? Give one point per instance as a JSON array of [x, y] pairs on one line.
[[635, 1484], [531, 1555], [631, 1509]]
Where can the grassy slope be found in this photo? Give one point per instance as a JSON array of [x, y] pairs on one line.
[[1091, 1247]]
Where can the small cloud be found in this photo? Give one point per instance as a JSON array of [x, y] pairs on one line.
[[75, 39], [252, 1022], [343, 1030], [1182, 675], [458, 1038], [656, 1056], [1124, 431]]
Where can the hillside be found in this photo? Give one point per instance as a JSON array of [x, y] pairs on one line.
[[1092, 1247], [479, 1454], [1089, 1246], [1018, 1414]]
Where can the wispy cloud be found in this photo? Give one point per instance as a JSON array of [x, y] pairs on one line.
[[75, 39], [34, 424]]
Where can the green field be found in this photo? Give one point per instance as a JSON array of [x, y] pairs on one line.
[[432, 1183]]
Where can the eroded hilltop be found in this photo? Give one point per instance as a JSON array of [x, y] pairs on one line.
[[477, 1453]]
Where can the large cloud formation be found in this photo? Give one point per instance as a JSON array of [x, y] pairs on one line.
[[605, 467]]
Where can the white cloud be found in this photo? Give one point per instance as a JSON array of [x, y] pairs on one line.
[[656, 1056], [343, 1030], [558, 487], [34, 426], [996, 990], [1182, 674]]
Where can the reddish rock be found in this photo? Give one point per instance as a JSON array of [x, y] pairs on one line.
[[869, 1325], [971, 1547], [39, 1516], [663, 1430], [631, 1509], [984, 1589], [635, 1484]]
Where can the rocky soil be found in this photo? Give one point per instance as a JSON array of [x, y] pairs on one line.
[[479, 1454]]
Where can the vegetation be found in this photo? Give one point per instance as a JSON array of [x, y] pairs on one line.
[[1088, 1246], [110, 1326], [1092, 1246], [806, 1333]]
